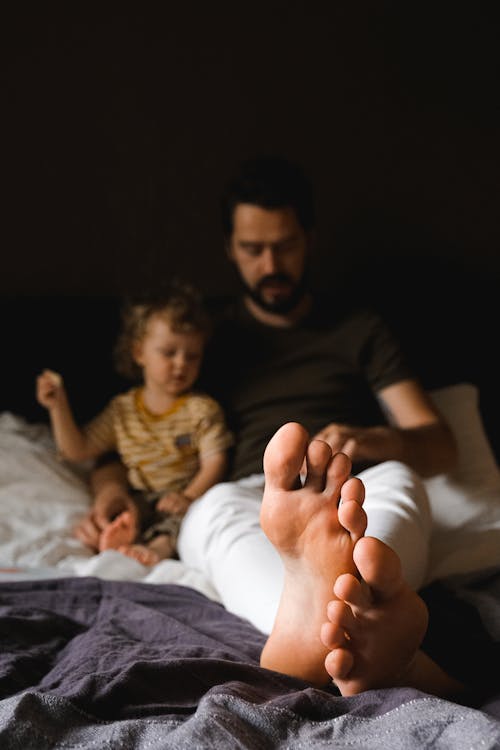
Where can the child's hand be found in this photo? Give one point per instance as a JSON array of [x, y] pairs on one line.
[[49, 389], [174, 502]]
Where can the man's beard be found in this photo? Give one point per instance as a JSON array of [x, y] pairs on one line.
[[281, 306]]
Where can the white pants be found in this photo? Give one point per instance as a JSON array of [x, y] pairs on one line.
[[221, 536]]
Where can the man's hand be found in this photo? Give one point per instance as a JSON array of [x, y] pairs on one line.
[[174, 502], [343, 438], [363, 445]]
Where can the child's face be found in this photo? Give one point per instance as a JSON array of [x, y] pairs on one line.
[[170, 361]]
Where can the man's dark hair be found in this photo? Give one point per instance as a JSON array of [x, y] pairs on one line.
[[269, 182]]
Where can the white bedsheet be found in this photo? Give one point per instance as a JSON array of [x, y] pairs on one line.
[[41, 498]]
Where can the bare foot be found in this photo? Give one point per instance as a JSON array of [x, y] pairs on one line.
[[140, 552], [121, 530], [315, 539], [375, 625]]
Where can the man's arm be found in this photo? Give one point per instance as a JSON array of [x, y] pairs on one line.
[[416, 434]]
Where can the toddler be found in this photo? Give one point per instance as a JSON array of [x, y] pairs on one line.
[[172, 439]]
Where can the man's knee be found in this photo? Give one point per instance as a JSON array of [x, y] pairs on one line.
[[204, 512], [398, 513], [211, 502], [220, 516], [394, 481]]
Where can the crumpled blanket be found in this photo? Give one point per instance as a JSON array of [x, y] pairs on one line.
[[91, 663]]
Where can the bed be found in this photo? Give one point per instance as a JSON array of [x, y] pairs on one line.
[[98, 651]]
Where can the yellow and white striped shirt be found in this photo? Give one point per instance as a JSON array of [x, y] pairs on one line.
[[162, 452]]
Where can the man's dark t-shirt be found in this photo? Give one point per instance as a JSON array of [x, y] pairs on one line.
[[325, 369]]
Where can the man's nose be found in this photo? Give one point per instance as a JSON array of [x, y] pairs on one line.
[[269, 260]]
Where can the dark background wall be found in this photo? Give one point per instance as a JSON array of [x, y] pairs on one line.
[[121, 122]]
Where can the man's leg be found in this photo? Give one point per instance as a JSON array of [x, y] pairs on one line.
[[222, 537], [398, 512]]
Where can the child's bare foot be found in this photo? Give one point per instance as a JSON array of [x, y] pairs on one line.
[[315, 539], [140, 552], [375, 625], [121, 530]]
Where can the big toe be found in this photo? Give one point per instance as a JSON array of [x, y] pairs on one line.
[[284, 456], [379, 566]]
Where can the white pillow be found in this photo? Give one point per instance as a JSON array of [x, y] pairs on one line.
[[465, 503]]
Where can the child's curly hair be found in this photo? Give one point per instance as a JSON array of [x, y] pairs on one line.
[[181, 306]]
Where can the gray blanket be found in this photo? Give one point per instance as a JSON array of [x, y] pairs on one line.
[[87, 663]]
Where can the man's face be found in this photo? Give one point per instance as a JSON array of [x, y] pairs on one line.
[[270, 250]]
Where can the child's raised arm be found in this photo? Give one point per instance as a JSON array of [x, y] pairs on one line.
[[69, 438]]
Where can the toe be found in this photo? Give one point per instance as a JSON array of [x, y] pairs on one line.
[[349, 590], [284, 456], [318, 457], [379, 567], [339, 613], [354, 489], [332, 636], [337, 474], [125, 518], [353, 518], [338, 663]]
